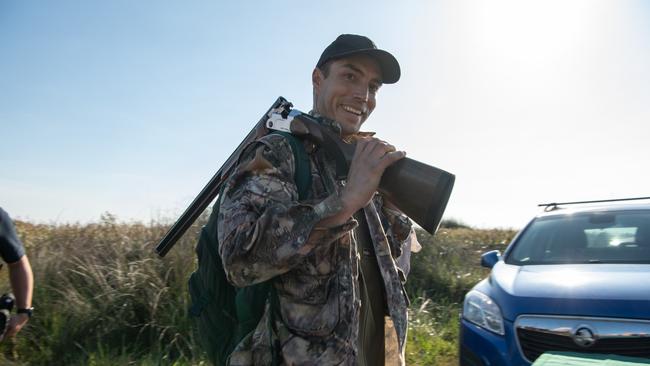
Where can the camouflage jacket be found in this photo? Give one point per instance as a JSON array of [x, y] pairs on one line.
[[266, 233]]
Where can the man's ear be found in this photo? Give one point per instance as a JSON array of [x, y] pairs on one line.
[[316, 78]]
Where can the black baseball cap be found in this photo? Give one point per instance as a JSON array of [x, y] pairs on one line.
[[352, 44]]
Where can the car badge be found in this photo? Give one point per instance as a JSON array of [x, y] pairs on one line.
[[584, 337]]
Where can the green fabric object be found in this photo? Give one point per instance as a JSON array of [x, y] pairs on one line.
[[302, 175], [226, 314], [587, 359]]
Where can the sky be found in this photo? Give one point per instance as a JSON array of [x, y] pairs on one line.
[[130, 107]]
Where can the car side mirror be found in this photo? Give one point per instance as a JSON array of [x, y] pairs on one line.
[[489, 259]]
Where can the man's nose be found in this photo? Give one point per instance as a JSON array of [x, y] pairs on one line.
[[361, 92]]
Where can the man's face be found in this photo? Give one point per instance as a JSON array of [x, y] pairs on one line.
[[348, 93]]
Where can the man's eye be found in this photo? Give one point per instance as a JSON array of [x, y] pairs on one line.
[[349, 77]]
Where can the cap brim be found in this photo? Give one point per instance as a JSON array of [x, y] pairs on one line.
[[390, 70]]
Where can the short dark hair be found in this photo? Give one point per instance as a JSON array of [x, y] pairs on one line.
[[325, 68]]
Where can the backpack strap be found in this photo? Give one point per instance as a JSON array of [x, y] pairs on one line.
[[302, 175], [227, 314], [302, 178]]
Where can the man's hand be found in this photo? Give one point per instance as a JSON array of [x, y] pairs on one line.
[[16, 323], [22, 285], [371, 157]]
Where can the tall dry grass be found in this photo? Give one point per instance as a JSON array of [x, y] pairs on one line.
[[103, 297], [102, 293]]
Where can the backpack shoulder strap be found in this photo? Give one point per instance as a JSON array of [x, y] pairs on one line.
[[302, 174]]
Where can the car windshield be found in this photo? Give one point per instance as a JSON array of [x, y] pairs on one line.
[[595, 237]]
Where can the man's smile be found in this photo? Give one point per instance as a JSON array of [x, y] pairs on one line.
[[352, 110]]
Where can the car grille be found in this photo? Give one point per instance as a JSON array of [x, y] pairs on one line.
[[625, 337]]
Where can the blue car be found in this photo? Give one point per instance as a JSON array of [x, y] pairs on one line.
[[576, 278]]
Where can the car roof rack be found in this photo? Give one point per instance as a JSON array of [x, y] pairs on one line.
[[554, 205]]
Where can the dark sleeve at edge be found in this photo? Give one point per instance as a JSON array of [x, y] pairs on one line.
[[11, 248]]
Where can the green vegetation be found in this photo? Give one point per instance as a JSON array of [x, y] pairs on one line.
[[441, 273], [104, 298]]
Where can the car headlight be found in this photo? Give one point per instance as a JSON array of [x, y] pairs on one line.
[[482, 311]]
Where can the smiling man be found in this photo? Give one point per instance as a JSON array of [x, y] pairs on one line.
[[331, 256]]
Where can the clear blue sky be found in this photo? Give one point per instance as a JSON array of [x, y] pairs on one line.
[[131, 106]]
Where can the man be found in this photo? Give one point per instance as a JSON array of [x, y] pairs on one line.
[[331, 258], [20, 275]]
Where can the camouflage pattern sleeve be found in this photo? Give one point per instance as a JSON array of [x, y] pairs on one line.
[[263, 229]]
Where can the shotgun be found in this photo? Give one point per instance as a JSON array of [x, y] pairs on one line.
[[420, 191]]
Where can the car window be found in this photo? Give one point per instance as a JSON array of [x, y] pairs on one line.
[[595, 237]]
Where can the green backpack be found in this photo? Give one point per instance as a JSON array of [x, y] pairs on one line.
[[226, 314]]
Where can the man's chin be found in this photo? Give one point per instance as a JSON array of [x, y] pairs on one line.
[[348, 130], [349, 127]]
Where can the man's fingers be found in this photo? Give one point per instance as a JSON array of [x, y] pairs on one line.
[[376, 154], [379, 148], [388, 148], [16, 323], [392, 157], [362, 145], [12, 329]]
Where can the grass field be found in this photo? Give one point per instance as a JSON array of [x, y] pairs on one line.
[[103, 297]]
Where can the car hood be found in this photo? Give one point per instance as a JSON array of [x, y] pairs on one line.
[[616, 290]]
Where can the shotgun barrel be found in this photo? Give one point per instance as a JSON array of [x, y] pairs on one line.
[[211, 190]]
